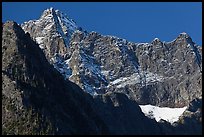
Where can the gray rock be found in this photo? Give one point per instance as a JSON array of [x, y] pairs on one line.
[[157, 73], [38, 100]]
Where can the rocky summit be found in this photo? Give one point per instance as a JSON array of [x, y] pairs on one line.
[[57, 78], [157, 73]]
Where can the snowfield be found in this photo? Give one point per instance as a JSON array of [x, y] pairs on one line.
[[169, 114]]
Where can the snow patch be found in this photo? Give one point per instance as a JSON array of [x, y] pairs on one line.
[[104, 72], [156, 39], [62, 66], [143, 77], [39, 40], [169, 114]]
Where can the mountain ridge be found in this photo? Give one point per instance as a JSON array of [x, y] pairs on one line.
[[28, 88], [37, 99], [144, 63], [120, 76]]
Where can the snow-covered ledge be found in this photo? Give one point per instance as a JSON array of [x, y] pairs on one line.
[[169, 114]]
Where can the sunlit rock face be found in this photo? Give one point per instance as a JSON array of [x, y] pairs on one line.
[[117, 74], [157, 73]]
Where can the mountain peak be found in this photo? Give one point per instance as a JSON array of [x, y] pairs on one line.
[[55, 12], [61, 18], [184, 35], [156, 41], [55, 23], [51, 8], [10, 24], [14, 28], [47, 12]]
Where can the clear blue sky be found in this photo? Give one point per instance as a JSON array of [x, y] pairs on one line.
[[134, 21]]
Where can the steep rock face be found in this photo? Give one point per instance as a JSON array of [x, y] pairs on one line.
[[179, 63], [121, 116], [192, 117], [157, 73], [189, 123], [37, 100], [51, 31], [163, 74]]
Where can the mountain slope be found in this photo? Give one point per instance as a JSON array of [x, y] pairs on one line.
[[160, 73], [46, 103], [51, 29], [157, 73], [37, 100]]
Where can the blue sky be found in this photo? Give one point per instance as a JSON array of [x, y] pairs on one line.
[[134, 21]]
